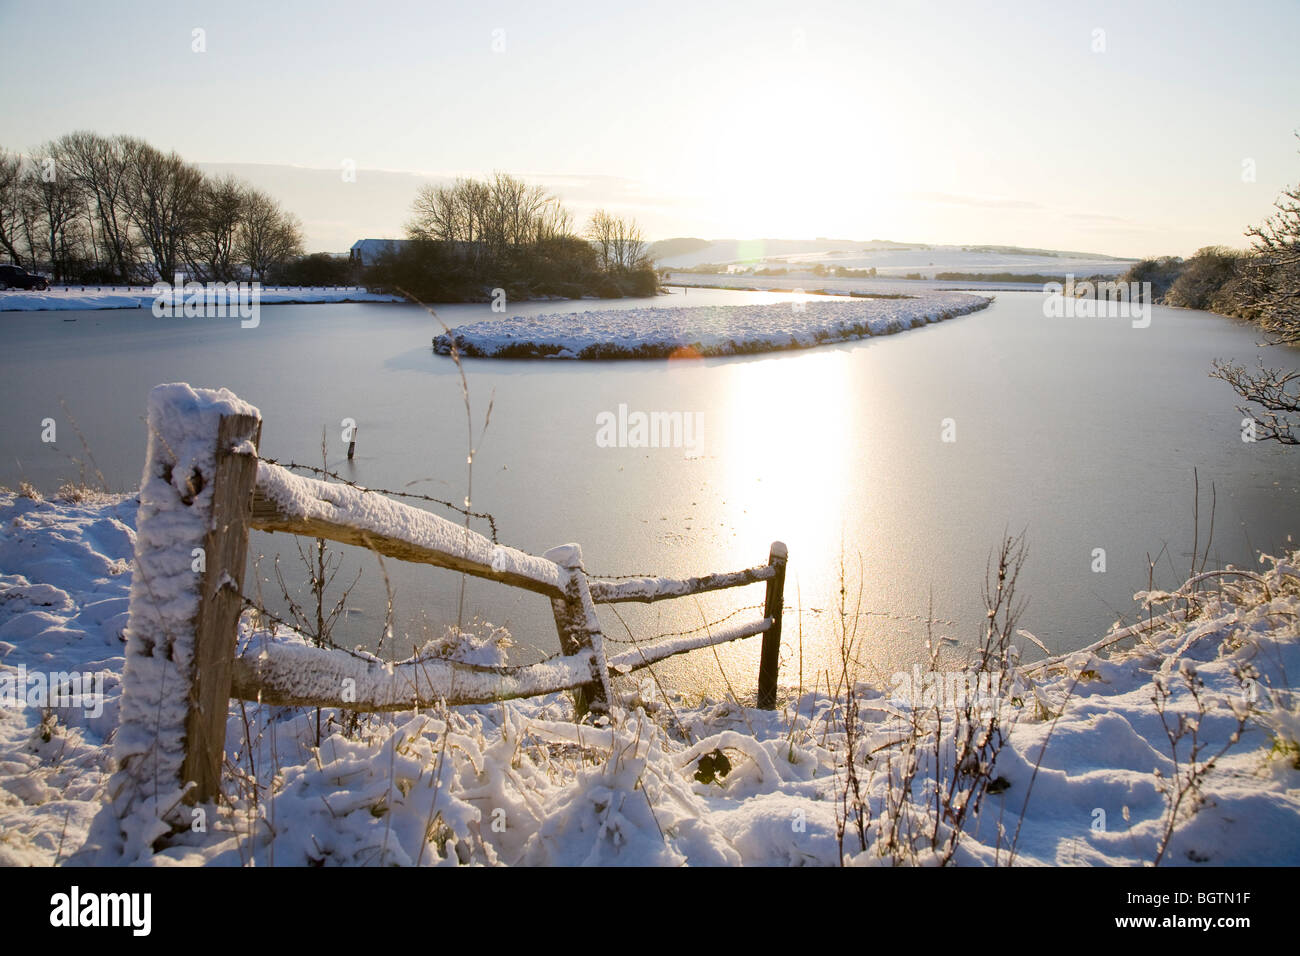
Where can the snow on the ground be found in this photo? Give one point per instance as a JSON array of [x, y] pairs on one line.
[[702, 330], [81, 298], [65, 573], [520, 783]]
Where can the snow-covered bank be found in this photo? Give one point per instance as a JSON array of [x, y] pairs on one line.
[[519, 783], [705, 331], [79, 299]]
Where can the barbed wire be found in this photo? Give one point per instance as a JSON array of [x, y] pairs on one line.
[[294, 627], [693, 630], [332, 645], [314, 469], [623, 577], [636, 577], [492, 523]]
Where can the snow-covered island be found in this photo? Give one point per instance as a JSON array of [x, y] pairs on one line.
[[704, 330]]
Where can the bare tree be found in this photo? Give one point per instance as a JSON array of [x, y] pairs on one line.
[[489, 220], [1270, 294], [52, 203], [434, 214], [630, 249], [268, 236], [553, 222], [456, 214], [101, 166], [619, 242], [161, 195], [212, 240], [12, 211], [600, 230], [526, 211]]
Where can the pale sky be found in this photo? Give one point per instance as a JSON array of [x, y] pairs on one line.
[[920, 121]]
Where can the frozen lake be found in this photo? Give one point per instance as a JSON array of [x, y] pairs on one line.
[[1082, 431]]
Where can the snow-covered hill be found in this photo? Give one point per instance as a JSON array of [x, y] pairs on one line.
[[887, 258]]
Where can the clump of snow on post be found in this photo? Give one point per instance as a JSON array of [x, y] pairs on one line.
[[579, 616], [173, 519]]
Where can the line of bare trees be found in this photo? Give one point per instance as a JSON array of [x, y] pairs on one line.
[[106, 209], [489, 219], [619, 242], [504, 231]]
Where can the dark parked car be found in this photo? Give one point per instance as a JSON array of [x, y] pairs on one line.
[[13, 277]]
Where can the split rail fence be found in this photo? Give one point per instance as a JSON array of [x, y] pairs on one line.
[[205, 488]]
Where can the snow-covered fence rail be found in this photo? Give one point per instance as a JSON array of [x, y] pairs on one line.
[[648, 590], [284, 501], [205, 488]]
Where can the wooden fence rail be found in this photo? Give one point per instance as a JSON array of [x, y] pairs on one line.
[[205, 489]]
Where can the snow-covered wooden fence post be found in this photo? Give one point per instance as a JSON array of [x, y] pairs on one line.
[[578, 626], [772, 606], [191, 546], [220, 602]]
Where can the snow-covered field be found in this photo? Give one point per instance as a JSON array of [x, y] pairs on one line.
[[704, 330], [77, 298], [519, 783], [893, 258], [823, 285]]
